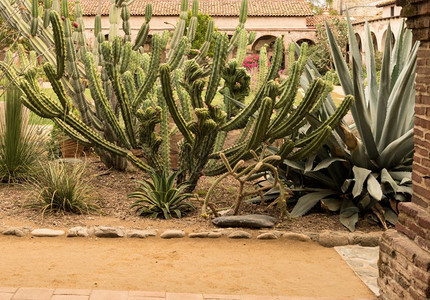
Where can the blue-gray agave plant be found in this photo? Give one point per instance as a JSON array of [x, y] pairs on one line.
[[370, 171]]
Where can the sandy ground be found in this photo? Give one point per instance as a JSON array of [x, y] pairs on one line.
[[212, 266]]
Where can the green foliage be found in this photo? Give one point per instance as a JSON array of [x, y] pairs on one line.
[[199, 38], [21, 144], [61, 187], [319, 53], [160, 197]]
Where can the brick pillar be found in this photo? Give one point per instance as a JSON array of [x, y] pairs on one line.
[[404, 258]]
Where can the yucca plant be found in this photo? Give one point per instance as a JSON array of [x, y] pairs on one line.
[[61, 187], [21, 144], [372, 171], [159, 197]]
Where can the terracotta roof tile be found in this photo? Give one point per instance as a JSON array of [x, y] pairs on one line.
[[386, 3], [210, 7], [313, 21]]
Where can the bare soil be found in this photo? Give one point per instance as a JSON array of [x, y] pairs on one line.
[[221, 266], [109, 192]]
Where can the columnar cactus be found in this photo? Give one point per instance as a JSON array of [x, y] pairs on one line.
[[134, 92]]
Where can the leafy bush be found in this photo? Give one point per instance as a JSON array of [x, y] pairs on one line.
[[319, 53], [160, 197], [62, 187], [21, 144]]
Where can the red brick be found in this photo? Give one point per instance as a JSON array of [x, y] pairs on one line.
[[425, 162], [424, 220], [415, 228], [415, 295], [417, 162], [422, 99], [421, 191], [423, 243], [421, 287], [420, 121], [422, 143], [422, 260], [406, 231], [409, 209], [418, 132], [419, 168], [421, 275], [416, 178], [385, 248], [384, 258], [418, 200], [421, 150], [404, 247]]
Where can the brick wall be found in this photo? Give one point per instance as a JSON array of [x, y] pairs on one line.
[[404, 258]]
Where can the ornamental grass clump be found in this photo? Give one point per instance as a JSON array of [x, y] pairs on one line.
[[61, 187], [21, 145], [161, 198]]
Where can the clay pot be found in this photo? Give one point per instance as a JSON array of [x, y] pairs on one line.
[[70, 148]]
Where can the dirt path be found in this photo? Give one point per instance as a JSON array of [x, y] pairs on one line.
[[212, 266]]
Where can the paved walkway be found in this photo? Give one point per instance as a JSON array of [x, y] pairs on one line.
[[72, 294], [364, 262]]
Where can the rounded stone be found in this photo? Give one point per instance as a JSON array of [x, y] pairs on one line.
[[267, 236], [246, 221], [214, 235], [46, 232], [296, 236], [140, 234], [78, 231], [239, 234], [15, 231], [108, 232], [172, 234], [198, 234], [333, 239]]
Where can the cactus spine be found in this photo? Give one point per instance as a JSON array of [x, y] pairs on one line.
[[164, 130], [46, 13], [125, 16], [262, 65], [35, 17], [144, 29], [241, 46], [60, 44]]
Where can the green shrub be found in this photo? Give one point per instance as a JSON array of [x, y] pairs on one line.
[[21, 144], [161, 197], [62, 187]]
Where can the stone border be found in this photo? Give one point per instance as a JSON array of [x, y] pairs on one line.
[[324, 238]]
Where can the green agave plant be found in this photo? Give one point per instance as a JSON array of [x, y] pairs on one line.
[[160, 197], [371, 171]]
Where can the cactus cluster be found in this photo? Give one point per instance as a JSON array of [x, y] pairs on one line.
[[134, 93]]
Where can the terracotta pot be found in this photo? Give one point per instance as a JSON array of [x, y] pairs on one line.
[[70, 148]]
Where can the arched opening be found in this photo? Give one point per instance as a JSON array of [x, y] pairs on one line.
[[268, 40], [374, 41], [308, 41], [384, 38], [360, 45], [263, 40]]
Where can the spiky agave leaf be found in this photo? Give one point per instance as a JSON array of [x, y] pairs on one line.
[[160, 197]]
